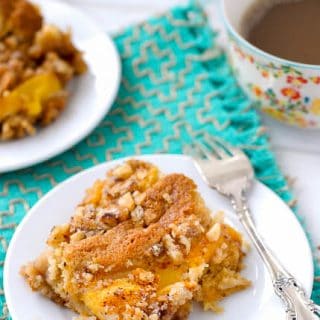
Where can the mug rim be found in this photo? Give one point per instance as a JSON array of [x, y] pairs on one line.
[[261, 52]]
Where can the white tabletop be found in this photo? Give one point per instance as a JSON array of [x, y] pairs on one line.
[[298, 150]]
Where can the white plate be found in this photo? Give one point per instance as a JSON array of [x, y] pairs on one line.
[[91, 95], [274, 219]]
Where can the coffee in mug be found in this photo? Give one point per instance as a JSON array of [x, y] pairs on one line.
[[284, 28]]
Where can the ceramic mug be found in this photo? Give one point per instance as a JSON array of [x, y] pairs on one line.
[[287, 91]]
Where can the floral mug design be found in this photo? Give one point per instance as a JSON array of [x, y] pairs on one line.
[[285, 90]]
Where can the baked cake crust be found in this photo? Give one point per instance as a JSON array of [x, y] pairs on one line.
[[141, 245]]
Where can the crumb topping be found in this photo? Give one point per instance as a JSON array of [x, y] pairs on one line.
[[141, 245], [34, 57]]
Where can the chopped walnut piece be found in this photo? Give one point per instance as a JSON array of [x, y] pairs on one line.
[[126, 201], [79, 235], [16, 126], [220, 254], [123, 171], [143, 276], [141, 174], [180, 294], [87, 277], [137, 214], [185, 242], [157, 249], [59, 234], [167, 197], [138, 197], [53, 107], [195, 273], [172, 249], [7, 81], [214, 233], [57, 65], [109, 215]]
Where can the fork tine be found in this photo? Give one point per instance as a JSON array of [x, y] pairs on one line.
[[235, 151], [218, 149], [201, 151], [226, 145], [194, 152], [209, 153]]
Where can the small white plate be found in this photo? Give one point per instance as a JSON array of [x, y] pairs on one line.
[[274, 220], [91, 95]]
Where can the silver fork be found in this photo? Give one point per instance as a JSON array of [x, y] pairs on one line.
[[228, 170]]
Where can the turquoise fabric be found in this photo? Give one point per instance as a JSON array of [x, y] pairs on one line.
[[176, 86]]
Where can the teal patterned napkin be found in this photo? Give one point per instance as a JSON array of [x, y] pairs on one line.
[[176, 86]]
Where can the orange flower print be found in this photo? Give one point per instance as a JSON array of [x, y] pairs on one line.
[[289, 79], [257, 91], [265, 73], [243, 55], [315, 80], [302, 80], [274, 113], [296, 80], [239, 52], [291, 93]]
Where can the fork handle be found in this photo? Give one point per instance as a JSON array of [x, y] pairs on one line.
[[298, 305]]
